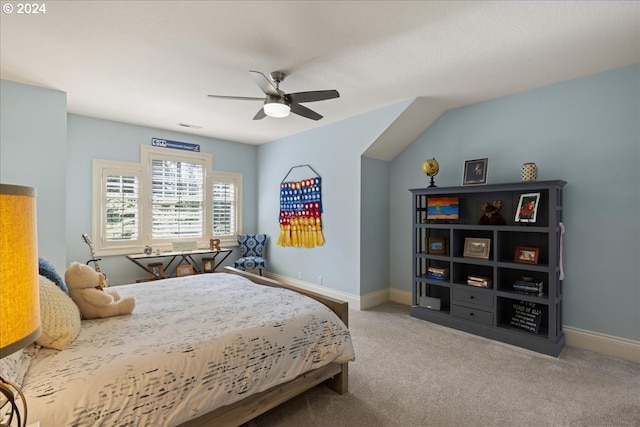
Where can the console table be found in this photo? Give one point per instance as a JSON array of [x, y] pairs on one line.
[[186, 256]]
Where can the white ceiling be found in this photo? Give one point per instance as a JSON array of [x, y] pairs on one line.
[[152, 63]]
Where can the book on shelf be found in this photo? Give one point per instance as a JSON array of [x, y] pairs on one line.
[[530, 293], [435, 276], [529, 286], [437, 271], [525, 285], [479, 281]]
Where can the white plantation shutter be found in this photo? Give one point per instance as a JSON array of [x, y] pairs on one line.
[[177, 199], [224, 209], [122, 205]]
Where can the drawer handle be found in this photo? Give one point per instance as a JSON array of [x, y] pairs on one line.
[[471, 313], [471, 297]]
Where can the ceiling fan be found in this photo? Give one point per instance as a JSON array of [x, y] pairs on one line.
[[279, 104]]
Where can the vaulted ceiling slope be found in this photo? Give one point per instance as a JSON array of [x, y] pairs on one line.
[[152, 63]]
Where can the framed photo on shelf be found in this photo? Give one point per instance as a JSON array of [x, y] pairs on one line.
[[526, 255], [527, 209], [156, 270], [476, 248], [446, 207], [185, 270], [208, 265], [475, 172], [437, 246]]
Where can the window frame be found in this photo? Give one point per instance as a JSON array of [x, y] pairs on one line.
[[102, 168]]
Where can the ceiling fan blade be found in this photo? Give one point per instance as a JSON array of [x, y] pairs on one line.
[[264, 83], [260, 115], [241, 98], [314, 95], [304, 112]]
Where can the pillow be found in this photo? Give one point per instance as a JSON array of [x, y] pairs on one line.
[[59, 315], [47, 270]]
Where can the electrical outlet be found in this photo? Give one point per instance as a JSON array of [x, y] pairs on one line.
[[299, 274], [319, 280]]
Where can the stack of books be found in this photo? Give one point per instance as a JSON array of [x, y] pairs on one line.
[[528, 286], [479, 281], [437, 273]]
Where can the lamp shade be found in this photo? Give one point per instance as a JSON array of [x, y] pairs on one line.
[[276, 106], [19, 284]]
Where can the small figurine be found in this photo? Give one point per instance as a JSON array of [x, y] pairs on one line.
[[491, 214]]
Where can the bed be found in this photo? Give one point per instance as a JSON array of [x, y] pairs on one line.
[[204, 350]]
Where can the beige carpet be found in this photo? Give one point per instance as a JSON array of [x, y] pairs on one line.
[[409, 372]]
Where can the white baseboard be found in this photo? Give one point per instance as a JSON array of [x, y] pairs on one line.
[[600, 343], [400, 296], [604, 344]]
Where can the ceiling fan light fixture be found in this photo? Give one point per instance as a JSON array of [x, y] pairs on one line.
[[276, 107]]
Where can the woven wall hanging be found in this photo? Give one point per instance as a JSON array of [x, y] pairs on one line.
[[301, 211]]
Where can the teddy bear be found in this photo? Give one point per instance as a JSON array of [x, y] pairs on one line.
[[491, 214], [86, 290]]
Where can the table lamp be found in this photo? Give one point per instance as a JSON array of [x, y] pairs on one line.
[[19, 285]]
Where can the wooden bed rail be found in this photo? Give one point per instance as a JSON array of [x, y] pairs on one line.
[[339, 307]]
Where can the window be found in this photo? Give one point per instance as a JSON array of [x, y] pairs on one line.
[[225, 194], [171, 195]]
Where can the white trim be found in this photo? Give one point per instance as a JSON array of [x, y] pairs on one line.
[[374, 298], [604, 344], [400, 296]]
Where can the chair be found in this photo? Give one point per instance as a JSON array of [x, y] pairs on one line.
[[252, 252]]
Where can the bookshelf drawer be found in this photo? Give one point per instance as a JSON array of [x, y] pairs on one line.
[[475, 315], [473, 297]]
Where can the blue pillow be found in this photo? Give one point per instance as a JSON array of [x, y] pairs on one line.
[[46, 269]]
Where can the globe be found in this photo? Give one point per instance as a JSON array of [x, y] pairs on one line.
[[431, 168]]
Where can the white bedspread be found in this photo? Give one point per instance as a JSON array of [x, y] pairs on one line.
[[192, 344]]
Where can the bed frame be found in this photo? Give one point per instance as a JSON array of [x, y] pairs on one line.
[[334, 375]]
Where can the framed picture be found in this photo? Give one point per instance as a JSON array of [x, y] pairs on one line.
[[185, 270], [156, 269], [437, 246], [527, 209], [443, 208], [476, 248], [526, 255], [475, 172], [208, 265]]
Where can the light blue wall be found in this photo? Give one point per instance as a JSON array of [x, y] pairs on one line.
[[33, 152], [586, 132], [374, 226], [91, 138], [334, 151]]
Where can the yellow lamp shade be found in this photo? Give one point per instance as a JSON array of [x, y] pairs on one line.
[[19, 297]]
